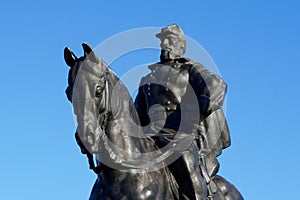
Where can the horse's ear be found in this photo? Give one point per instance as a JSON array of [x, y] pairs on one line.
[[89, 53], [70, 57]]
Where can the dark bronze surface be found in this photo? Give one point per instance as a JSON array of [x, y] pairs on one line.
[[179, 86]]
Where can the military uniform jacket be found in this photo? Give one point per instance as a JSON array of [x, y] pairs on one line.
[[178, 94]]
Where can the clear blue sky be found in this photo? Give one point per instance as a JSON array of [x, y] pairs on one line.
[[255, 45]]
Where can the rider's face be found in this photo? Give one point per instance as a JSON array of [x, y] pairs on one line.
[[172, 44]]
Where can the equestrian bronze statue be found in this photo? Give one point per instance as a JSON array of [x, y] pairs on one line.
[[129, 143]]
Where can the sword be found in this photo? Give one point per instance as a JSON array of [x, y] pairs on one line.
[[203, 151]]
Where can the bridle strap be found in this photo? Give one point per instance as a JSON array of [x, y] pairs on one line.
[[106, 103]]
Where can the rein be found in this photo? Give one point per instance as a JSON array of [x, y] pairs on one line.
[[92, 166]]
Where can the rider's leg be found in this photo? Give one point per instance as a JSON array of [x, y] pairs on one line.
[[191, 161]]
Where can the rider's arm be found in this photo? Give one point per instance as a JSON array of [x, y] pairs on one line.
[[141, 106], [209, 88]]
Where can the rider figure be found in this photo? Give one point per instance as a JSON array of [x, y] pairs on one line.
[[164, 103]]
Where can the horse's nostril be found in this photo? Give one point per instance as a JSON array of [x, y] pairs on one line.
[[91, 138]]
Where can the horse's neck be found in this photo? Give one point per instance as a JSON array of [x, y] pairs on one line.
[[124, 130]]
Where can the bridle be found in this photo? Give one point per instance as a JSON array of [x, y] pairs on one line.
[[102, 120]]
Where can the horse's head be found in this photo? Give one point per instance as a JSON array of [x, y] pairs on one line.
[[86, 86]]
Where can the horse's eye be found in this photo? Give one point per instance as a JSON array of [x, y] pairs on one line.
[[98, 91]]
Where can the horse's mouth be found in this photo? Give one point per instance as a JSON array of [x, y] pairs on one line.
[[91, 139], [91, 145]]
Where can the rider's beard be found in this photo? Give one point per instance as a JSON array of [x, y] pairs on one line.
[[170, 54], [166, 55]]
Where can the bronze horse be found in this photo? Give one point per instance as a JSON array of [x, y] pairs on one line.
[[108, 127]]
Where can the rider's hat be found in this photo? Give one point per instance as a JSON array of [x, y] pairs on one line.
[[171, 29]]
